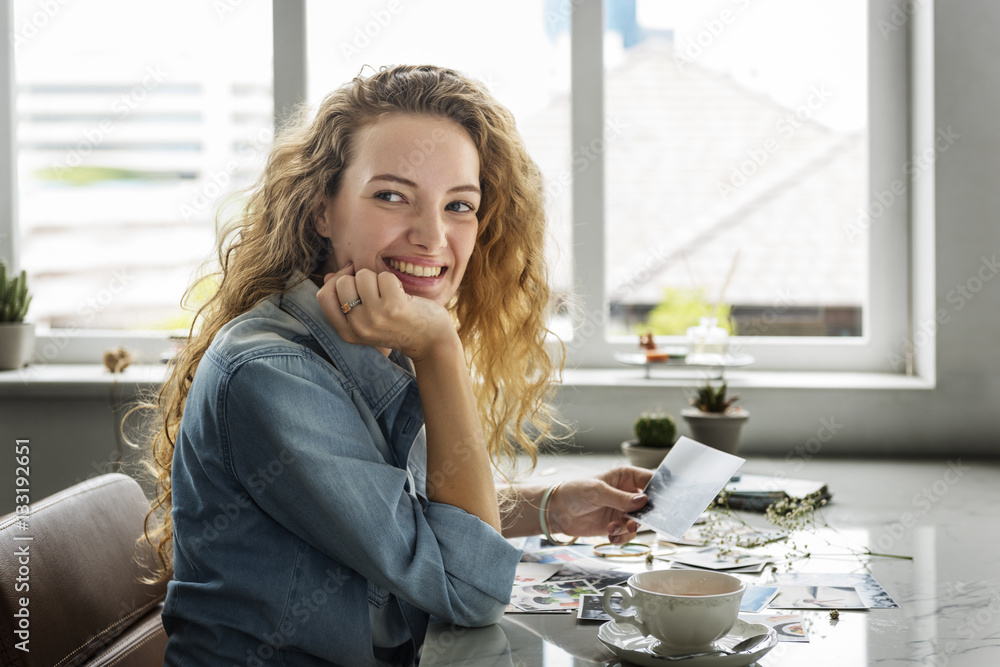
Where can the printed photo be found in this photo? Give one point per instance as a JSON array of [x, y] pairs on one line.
[[870, 590], [592, 608], [755, 598], [556, 555], [599, 576], [530, 573], [710, 558], [789, 627], [687, 481], [817, 597], [551, 596]]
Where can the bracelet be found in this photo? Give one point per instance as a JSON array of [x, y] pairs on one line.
[[543, 517]]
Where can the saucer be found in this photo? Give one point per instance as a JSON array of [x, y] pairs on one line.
[[625, 641]]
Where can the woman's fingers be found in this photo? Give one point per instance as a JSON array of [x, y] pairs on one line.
[[368, 318], [592, 507], [366, 286], [331, 298], [386, 317], [347, 293], [622, 530], [627, 478]]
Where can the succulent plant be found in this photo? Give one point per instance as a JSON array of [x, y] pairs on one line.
[[655, 430], [712, 399], [14, 298]]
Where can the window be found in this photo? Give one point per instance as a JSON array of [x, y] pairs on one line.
[[721, 148], [714, 143], [662, 158], [133, 120]]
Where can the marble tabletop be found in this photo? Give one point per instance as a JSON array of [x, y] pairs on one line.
[[942, 513]]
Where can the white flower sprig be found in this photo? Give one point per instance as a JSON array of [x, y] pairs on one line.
[[733, 536]]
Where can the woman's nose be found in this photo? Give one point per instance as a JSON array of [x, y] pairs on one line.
[[429, 230]]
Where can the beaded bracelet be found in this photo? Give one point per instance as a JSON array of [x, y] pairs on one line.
[[543, 517]]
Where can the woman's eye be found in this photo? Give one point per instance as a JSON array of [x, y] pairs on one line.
[[459, 207], [389, 196]]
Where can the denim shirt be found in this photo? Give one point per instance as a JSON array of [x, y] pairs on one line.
[[300, 535]]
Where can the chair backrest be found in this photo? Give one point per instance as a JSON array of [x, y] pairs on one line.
[[70, 569]]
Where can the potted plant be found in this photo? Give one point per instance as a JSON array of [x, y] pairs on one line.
[[17, 338], [655, 434], [713, 419]]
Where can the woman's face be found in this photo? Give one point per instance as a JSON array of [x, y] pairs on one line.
[[407, 204]]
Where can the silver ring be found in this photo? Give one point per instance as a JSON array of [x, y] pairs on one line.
[[347, 306]]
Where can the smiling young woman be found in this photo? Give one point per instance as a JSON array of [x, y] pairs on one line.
[[375, 354]]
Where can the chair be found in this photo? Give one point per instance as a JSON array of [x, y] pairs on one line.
[[85, 605]]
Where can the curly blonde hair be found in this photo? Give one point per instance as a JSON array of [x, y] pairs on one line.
[[501, 309]]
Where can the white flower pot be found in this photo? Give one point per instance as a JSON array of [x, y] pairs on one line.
[[17, 344], [643, 457], [721, 431]]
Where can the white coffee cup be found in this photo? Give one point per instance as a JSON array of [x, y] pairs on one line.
[[684, 609]]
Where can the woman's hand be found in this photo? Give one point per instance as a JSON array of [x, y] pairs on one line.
[[597, 505], [387, 316]]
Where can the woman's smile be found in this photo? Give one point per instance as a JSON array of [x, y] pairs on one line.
[[415, 268]]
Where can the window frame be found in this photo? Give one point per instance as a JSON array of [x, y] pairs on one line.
[[887, 316], [80, 346], [887, 319]]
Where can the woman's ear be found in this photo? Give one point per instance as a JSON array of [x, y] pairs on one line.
[[323, 222], [321, 219]]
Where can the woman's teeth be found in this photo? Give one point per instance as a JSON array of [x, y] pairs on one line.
[[416, 270]]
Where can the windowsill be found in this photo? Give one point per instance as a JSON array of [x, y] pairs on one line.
[[80, 381], [613, 377], [92, 380]]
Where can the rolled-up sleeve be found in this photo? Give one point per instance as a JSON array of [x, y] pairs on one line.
[[336, 492]]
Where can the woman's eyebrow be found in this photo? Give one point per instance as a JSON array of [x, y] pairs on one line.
[[466, 188], [392, 178]]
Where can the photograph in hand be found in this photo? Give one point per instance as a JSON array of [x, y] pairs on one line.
[[686, 482]]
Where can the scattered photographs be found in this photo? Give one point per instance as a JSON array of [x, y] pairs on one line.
[[555, 586]]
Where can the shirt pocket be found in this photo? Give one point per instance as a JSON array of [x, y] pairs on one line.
[[378, 596]]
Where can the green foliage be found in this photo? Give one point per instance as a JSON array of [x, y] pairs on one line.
[[197, 296], [14, 298], [681, 309], [708, 398], [655, 430], [89, 175]]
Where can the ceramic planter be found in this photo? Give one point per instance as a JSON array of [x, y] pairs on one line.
[[17, 344], [643, 457], [721, 431]]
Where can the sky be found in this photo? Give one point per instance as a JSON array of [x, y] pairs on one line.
[[781, 48]]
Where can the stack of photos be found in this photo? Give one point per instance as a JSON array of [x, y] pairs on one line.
[[557, 586]]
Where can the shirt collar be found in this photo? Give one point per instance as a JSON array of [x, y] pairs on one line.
[[379, 379]]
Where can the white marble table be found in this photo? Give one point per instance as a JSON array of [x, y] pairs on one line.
[[942, 513]]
